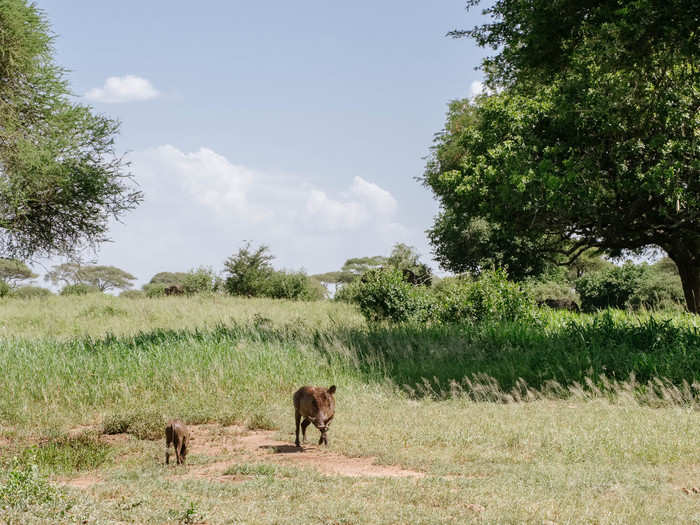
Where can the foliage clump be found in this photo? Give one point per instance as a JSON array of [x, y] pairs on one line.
[[630, 286], [144, 424], [79, 289], [22, 486], [61, 180], [385, 295], [250, 273], [30, 292]]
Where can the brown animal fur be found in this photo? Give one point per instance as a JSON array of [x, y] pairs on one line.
[[176, 433], [174, 289], [316, 405]]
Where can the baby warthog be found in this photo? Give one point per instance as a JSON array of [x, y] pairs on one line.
[[176, 433], [316, 405]]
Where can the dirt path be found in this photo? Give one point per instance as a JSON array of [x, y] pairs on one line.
[[233, 445], [260, 445]]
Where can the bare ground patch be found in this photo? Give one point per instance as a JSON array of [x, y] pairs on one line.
[[253, 445], [83, 482]]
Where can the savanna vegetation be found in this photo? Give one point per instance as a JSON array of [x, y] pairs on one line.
[[563, 417], [542, 383]]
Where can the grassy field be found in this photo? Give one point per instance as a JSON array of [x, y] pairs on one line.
[[433, 425]]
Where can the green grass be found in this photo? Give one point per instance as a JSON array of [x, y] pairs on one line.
[[590, 445], [67, 454]]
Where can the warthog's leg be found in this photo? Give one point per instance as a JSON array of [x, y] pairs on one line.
[[297, 418], [304, 424], [168, 442], [178, 449], [183, 451]]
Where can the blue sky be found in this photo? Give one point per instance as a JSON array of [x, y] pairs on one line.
[[298, 125]]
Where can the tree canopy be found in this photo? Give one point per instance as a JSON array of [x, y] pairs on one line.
[[103, 278], [588, 138], [13, 271], [248, 270], [60, 177]]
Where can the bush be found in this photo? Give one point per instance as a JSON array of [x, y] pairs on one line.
[[146, 424], [347, 292], [154, 289], [21, 486], [553, 292], [491, 297], [629, 286], [133, 294], [248, 271], [292, 285], [201, 280], [4, 289], [79, 289], [657, 291], [30, 292], [385, 295]]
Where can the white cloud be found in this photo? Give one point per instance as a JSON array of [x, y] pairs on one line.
[[209, 178], [365, 203], [199, 207], [477, 88], [380, 200], [128, 88], [234, 192]]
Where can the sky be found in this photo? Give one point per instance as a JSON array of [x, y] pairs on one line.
[[299, 125]]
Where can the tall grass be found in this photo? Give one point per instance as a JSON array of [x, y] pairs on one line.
[[229, 372], [405, 396]]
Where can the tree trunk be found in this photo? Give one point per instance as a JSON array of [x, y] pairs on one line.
[[690, 277]]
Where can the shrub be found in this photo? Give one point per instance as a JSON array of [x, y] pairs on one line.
[[549, 292], [200, 280], [385, 295], [347, 292], [79, 289], [22, 486], [68, 454], [147, 424], [30, 292], [248, 270], [292, 285], [491, 297], [656, 291], [154, 289], [4, 289], [629, 286], [133, 294]]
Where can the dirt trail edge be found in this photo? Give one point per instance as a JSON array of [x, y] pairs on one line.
[[252, 445]]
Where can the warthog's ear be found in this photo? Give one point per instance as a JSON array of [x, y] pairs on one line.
[[331, 390]]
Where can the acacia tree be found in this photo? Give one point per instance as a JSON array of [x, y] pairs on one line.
[[101, 277], [591, 136], [105, 277], [13, 271], [60, 178], [406, 259]]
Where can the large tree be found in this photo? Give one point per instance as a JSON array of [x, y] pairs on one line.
[[590, 136], [60, 178]]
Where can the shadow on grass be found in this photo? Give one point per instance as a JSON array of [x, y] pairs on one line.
[[512, 352], [283, 449], [427, 360]]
